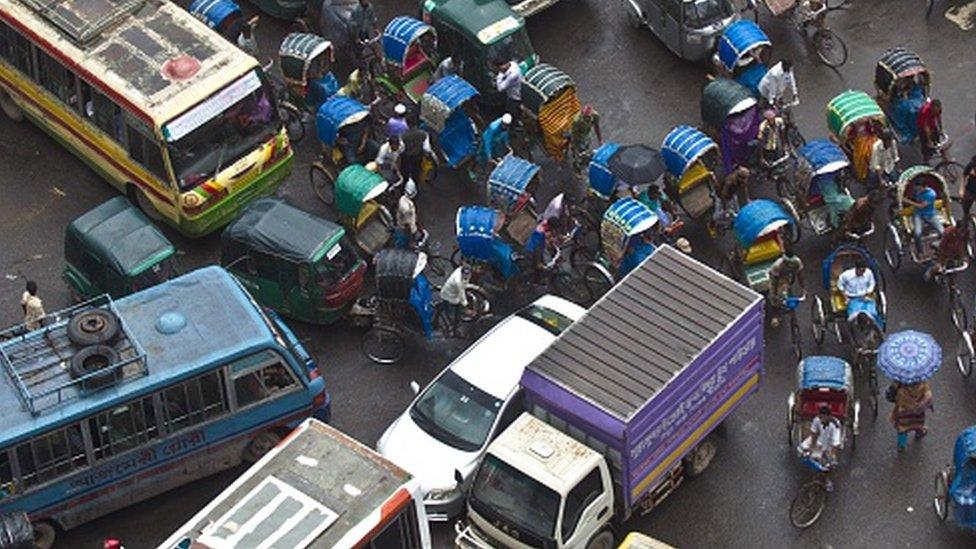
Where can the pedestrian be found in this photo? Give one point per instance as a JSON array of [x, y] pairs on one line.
[[778, 86], [509, 81], [968, 190], [929, 122], [406, 221], [911, 402], [416, 143], [454, 295], [397, 125], [585, 123], [495, 140], [884, 159], [388, 158], [32, 306]]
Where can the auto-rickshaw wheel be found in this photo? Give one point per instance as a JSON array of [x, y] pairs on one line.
[[10, 108], [322, 180], [941, 500], [383, 345]]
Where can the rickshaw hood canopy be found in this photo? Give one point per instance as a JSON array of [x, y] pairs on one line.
[[602, 180], [395, 271], [821, 371], [722, 98], [120, 236], [740, 38], [759, 218], [848, 250], [911, 173], [683, 146], [894, 64], [630, 215], [824, 156], [475, 230], [965, 446], [542, 83], [442, 98], [355, 186], [399, 34], [272, 226], [335, 113], [849, 107], [510, 179], [214, 12], [298, 50]]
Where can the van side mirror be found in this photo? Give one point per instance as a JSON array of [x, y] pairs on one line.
[[415, 387], [458, 478]]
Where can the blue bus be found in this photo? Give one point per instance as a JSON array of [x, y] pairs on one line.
[[113, 402]]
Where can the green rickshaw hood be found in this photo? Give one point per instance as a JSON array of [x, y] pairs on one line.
[[355, 186]]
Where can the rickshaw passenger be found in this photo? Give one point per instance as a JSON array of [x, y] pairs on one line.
[[660, 204], [494, 140], [786, 270], [925, 213], [824, 440], [837, 203], [354, 142], [778, 85], [930, 127], [771, 131], [639, 248], [857, 284]]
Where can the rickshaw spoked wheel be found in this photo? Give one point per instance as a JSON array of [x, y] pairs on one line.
[[808, 504], [10, 108], [941, 500], [45, 534], [893, 247], [581, 257], [957, 310], [793, 230], [831, 49], [964, 354], [322, 180], [818, 320], [383, 345], [291, 117], [795, 337]]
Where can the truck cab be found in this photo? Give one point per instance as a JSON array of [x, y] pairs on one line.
[[538, 487]]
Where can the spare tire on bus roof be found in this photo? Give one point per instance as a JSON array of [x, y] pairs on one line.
[[100, 360], [93, 327]]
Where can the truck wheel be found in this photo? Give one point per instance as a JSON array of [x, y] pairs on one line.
[[93, 327], [44, 535], [603, 540], [262, 444], [700, 458], [10, 108]]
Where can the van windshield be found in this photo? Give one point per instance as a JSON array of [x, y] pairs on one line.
[[514, 46], [455, 412], [702, 13], [502, 493]]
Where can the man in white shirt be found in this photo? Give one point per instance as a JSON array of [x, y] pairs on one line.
[[856, 283], [778, 86], [509, 81], [884, 159], [33, 307], [453, 292], [388, 158], [824, 440]]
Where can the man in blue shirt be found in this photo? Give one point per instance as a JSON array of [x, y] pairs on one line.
[[925, 213], [494, 140]]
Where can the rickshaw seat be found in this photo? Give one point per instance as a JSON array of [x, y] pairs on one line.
[[698, 200], [415, 58], [766, 249], [815, 201], [693, 176], [366, 212], [812, 399], [417, 85]]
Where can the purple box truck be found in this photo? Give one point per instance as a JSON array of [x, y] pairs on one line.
[[619, 408]]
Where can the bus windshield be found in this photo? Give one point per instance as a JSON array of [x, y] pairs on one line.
[[502, 493], [221, 130]]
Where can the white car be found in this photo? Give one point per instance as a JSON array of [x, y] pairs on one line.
[[449, 424]]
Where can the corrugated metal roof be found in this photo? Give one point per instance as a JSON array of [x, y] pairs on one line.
[[643, 332]]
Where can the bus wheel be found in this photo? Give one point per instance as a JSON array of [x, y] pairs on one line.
[[10, 108], [44, 535], [262, 444], [144, 204]]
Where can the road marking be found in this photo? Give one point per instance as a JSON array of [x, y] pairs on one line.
[[58, 192], [963, 16]]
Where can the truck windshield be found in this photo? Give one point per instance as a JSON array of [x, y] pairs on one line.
[[220, 130], [455, 412], [503, 493], [702, 13]]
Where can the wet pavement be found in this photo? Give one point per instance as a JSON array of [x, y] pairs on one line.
[[882, 498]]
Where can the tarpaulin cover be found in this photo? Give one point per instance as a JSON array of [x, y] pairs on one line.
[[737, 137], [904, 114], [422, 301], [510, 179], [399, 33], [965, 445], [459, 139], [394, 272], [354, 186], [602, 180], [637, 165], [751, 76], [739, 39], [828, 372], [120, 236], [273, 227], [442, 98], [722, 97], [894, 64], [849, 107], [824, 156], [683, 146], [214, 12], [755, 217], [336, 113], [909, 356], [542, 83], [623, 219]]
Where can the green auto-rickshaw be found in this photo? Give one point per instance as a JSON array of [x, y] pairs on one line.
[[293, 262], [115, 249], [479, 34]]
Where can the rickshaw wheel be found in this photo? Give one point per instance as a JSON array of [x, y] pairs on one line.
[[795, 337], [818, 320], [951, 171], [581, 257], [291, 117], [831, 49], [957, 310], [567, 286], [964, 354], [383, 345], [808, 505], [892, 248], [456, 258], [322, 180], [794, 231], [941, 500], [794, 137], [597, 281]]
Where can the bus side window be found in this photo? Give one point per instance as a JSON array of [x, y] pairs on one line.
[[107, 116], [56, 79], [194, 401], [256, 385], [4, 41], [146, 152], [7, 485], [51, 456], [123, 428], [16, 49]]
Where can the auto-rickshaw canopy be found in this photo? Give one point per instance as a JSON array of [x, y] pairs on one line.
[[273, 227]]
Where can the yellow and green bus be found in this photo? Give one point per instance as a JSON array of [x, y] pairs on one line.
[[173, 115]]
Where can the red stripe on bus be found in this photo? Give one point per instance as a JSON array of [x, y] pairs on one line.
[[390, 508], [135, 179], [54, 52]]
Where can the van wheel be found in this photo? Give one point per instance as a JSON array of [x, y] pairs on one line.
[[142, 201], [700, 458], [10, 108], [44, 535], [603, 540], [262, 444]]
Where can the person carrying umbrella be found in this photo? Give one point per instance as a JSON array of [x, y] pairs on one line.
[[909, 358]]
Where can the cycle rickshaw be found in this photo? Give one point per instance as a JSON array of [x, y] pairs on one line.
[[444, 110], [761, 229], [823, 381], [901, 234], [902, 85], [305, 60], [510, 189], [691, 158], [732, 115], [550, 101], [403, 303], [742, 54], [479, 244], [355, 194], [855, 122], [955, 485], [831, 50], [625, 232], [223, 16], [409, 52], [340, 123], [861, 323], [820, 186]]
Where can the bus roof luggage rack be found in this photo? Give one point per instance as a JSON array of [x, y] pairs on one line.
[[82, 22], [39, 362]]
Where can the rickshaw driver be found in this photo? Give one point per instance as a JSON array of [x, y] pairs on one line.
[[824, 441], [924, 214], [785, 271], [771, 132], [813, 13], [495, 140], [951, 250], [858, 219], [778, 86], [930, 127]]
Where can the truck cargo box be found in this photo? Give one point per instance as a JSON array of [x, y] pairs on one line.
[[652, 367]]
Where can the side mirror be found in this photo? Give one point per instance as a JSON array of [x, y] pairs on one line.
[[415, 387], [458, 478]]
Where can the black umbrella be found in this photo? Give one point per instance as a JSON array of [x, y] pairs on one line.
[[637, 165]]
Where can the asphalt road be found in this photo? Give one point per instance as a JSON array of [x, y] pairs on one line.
[[883, 499]]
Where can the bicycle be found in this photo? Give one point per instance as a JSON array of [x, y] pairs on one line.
[[830, 48], [810, 501], [947, 167]]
